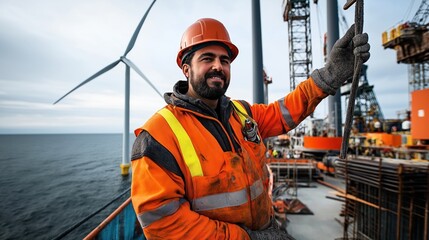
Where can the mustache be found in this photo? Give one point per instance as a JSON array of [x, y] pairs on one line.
[[215, 74]]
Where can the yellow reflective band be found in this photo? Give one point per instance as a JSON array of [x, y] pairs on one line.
[[241, 112], [186, 147]]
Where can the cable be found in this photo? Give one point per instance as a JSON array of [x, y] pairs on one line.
[[320, 33], [63, 234], [408, 12]]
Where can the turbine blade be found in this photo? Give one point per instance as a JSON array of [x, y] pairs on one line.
[[133, 66], [105, 69], [137, 31]]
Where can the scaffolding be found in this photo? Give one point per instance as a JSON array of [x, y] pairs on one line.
[[297, 14], [418, 76]]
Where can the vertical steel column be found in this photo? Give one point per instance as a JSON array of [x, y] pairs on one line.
[[126, 134], [380, 187], [426, 217], [399, 210], [258, 83], [410, 217], [335, 117]]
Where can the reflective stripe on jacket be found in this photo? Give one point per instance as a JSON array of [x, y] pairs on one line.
[[208, 191]]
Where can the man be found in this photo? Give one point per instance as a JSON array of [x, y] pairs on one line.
[[198, 164]]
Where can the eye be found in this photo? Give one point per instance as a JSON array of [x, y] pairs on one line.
[[207, 59], [226, 61]]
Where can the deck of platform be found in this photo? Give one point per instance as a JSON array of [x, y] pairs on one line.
[[323, 224]]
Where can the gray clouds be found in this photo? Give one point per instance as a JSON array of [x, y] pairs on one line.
[[49, 47]]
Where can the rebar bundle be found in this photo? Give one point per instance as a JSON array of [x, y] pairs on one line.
[[393, 198]]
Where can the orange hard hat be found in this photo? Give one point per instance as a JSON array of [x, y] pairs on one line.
[[205, 30]]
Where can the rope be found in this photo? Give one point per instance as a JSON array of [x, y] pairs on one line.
[[63, 234], [350, 107]]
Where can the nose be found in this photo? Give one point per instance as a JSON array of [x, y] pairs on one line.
[[217, 64]]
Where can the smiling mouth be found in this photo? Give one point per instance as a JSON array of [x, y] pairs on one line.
[[215, 78], [215, 82]]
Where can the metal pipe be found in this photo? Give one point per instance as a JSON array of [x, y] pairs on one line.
[[410, 217], [93, 234], [380, 187], [126, 134], [258, 83], [426, 217], [398, 213], [334, 102]]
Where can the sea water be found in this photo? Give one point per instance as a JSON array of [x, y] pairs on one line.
[[49, 182]]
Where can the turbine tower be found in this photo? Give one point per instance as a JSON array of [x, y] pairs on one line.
[[125, 165]]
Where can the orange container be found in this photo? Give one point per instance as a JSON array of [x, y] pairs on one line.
[[385, 139], [420, 114], [322, 143]]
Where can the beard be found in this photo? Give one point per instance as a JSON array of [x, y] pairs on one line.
[[202, 88]]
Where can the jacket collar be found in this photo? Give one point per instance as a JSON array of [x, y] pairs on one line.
[[179, 98]]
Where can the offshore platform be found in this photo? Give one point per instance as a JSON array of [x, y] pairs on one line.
[[385, 174], [410, 40]]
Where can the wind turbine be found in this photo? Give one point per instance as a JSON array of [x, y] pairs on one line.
[[128, 64]]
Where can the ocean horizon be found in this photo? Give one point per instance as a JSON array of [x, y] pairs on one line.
[[51, 181]]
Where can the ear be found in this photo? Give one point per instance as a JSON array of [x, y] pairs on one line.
[[185, 70]]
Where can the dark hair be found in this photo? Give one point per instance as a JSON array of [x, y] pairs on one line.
[[188, 58]]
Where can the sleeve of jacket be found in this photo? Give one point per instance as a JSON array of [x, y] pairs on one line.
[[286, 113], [158, 197]]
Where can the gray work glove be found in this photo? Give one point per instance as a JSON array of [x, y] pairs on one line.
[[274, 232], [269, 234], [339, 66]]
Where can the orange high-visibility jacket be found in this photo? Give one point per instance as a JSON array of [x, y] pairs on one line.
[[194, 174]]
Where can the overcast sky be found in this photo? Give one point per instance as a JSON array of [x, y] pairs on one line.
[[48, 47]]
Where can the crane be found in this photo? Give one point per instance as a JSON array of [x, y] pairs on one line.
[[297, 14], [411, 42], [367, 109]]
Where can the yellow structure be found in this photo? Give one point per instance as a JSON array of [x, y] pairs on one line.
[[125, 169]]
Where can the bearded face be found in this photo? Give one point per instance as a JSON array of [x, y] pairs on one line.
[[208, 73], [217, 80]]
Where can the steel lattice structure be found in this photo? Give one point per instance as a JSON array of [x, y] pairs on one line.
[[297, 14], [418, 76]]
